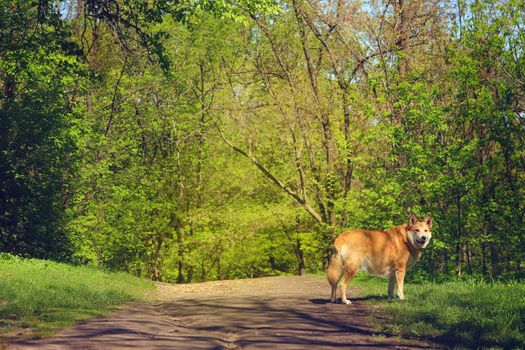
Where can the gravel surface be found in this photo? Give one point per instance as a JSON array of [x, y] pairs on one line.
[[285, 312]]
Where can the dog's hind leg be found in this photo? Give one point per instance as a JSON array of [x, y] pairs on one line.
[[334, 273], [349, 272], [391, 285]]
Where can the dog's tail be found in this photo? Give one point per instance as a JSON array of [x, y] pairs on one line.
[[335, 266]]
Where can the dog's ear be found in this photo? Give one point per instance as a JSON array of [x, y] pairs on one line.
[[413, 219], [428, 220]]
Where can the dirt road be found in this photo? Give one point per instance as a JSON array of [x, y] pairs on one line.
[[287, 312]]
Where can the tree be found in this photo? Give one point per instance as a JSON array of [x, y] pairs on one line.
[[39, 75]]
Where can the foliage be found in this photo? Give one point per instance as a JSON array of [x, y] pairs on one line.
[[197, 140], [39, 75]]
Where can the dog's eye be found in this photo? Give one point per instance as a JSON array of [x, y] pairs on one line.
[[417, 230]]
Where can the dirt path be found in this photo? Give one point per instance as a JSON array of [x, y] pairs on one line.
[[286, 312]]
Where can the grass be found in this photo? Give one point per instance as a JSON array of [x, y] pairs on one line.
[[39, 297], [461, 314]]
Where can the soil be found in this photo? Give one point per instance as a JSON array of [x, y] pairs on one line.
[[285, 312]]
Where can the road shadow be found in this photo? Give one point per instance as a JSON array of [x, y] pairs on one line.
[[271, 314], [321, 301], [282, 323], [372, 297]]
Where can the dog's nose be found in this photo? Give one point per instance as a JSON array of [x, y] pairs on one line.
[[424, 238]]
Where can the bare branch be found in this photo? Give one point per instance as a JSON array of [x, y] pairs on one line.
[[271, 176]]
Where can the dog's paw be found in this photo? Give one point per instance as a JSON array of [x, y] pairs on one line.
[[348, 302]]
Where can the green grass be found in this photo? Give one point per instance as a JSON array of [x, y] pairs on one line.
[[39, 297], [463, 314]]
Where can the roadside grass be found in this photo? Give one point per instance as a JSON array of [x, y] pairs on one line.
[[40, 297], [461, 314]]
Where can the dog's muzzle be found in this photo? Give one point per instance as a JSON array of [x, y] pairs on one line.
[[422, 241]]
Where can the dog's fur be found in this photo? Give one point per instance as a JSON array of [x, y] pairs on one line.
[[386, 253]]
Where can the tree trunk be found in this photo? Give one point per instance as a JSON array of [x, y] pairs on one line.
[[301, 266], [400, 14], [458, 261], [155, 271], [484, 258], [446, 257], [9, 87], [180, 263], [322, 115], [219, 272], [494, 259], [468, 254], [459, 253]]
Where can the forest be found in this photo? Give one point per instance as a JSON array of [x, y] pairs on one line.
[[194, 140]]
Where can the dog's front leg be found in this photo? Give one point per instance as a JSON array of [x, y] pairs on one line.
[[391, 285], [400, 277]]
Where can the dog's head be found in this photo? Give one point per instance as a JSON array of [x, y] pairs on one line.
[[419, 232]]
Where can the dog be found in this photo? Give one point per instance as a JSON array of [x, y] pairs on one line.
[[387, 253]]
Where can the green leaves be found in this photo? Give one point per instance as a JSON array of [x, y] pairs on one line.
[[110, 149], [37, 150]]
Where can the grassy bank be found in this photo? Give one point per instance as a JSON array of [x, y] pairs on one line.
[[463, 314], [38, 297]]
